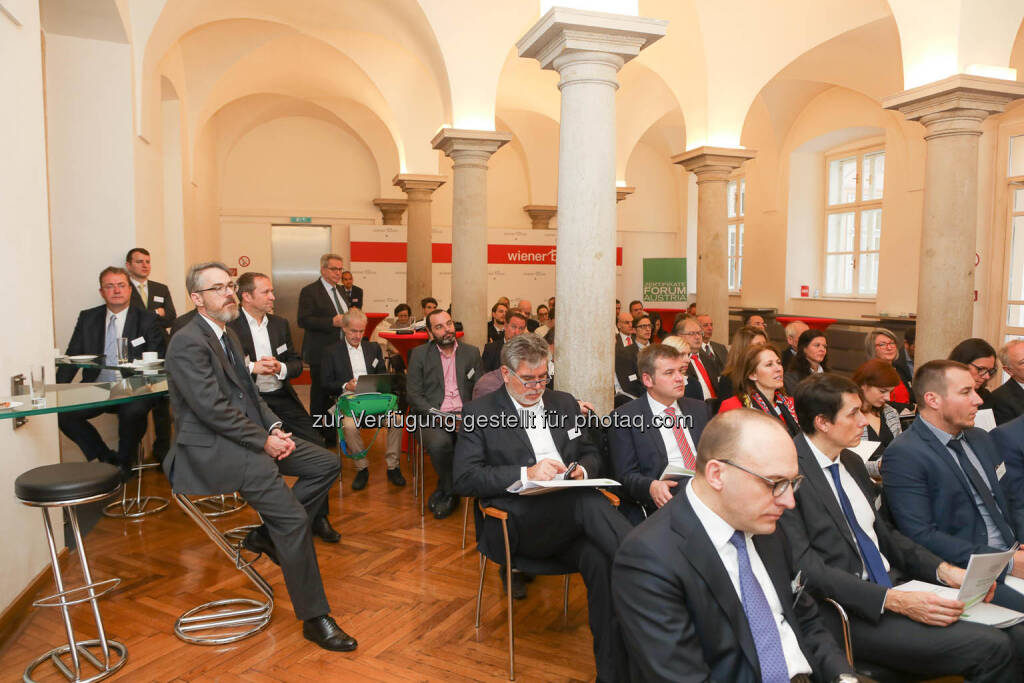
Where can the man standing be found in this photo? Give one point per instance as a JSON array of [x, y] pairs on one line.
[[525, 432], [515, 325], [271, 359], [96, 332], [711, 352], [793, 332], [353, 295], [441, 376], [704, 589], [496, 325], [1008, 400], [227, 439], [343, 365], [321, 306]]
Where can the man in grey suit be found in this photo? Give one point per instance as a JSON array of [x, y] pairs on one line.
[[441, 376], [227, 439]]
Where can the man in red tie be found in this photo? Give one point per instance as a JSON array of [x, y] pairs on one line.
[[699, 375], [623, 330], [656, 430]]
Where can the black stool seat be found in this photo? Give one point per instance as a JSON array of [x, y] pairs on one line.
[[66, 481]]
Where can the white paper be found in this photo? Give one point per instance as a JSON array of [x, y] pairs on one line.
[[138, 341], [865, 449], [980, 613], [985, 419], [982, 571], [532, 488], [282, 348], [674, 472]]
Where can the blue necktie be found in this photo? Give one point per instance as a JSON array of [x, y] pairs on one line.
[[760, 618], [982, 489], [868, 550], [110, 352]]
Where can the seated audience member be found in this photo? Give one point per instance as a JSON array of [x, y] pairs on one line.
[[1008, 400], [542, 314], [427, 305], [980, 358], [1009, 440], [941, 477], [536, 439], [744, 337], [551, 302], [691, 309], [905, 363], [876, 380], [628, 384], [623, 330], [343, 365], [496, 325], [756, 320], [227, 439], [402, 319], [704, 589], [851, 554], [636, 308], [618, 307], [504, 301], [712, 353], [811, 358], [642, 452], [702, 383], [96, 332], [762, 387], [793, 332], [515, 325], [657, 334], [881, 343], [441, 376], [526, 308]]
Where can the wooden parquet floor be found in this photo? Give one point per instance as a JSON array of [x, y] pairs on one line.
[[400, 584]]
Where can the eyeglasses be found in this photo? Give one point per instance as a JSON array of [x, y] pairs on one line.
[[777, 486], [693, 334], [984, 372], [885, 345], [115, 285], [220, 289], [645, 326], [335, 269], [530, 383]]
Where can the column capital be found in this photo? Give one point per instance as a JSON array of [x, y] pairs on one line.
[[541, 215], [412, 182], [563, 30], [452, 141], [712, 164], [391, 210], [623, 191], [956, 105]]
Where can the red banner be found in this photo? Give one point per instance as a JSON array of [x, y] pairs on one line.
[[499, 254]]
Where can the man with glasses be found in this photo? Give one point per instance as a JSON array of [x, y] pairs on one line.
[[705, 589], [627, 378], [96, 333], [527, 432], [227, 439], [851, 554], [702, 381], [321, 306]]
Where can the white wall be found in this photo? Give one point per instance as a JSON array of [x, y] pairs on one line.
[[91, 171], [173, 202], [25, 263]]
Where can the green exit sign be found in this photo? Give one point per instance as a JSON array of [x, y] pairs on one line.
[[302, 219]]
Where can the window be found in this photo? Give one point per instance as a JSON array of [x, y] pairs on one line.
[[1015, 275], [737, 194], [853, 222]]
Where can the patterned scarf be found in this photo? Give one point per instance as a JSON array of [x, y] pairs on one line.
[[787, 409]]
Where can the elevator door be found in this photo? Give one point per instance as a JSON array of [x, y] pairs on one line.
[[295, 252]]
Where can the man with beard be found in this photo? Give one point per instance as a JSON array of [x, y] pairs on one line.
[[441, 376], [227, 439]]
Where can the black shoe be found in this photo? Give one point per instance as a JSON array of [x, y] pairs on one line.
[[322, 527], [327, 634], [436, 497], [359, 483], [256, 541], [395, 477], [518, 584], [446, 506]]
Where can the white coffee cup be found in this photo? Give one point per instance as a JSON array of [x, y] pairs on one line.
[[149, 356]]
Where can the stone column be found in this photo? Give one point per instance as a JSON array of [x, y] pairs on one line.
[[418, 257], [712, 166], [470, 151], [540, 215], [587, 49], [391, 210], [952, 111]]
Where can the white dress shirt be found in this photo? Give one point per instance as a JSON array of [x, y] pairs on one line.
[[675, 457], [696, 362], [331, 291], [118, 325], [862, 509], [532, 420], [262, 347], [624, 338], [720, 531], [356, 359]]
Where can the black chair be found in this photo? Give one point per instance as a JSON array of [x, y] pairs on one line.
[[65, 486]]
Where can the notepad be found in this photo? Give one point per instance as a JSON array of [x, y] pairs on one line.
[[674, 472], [533, 488]]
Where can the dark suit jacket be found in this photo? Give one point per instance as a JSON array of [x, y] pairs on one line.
[[316, 316], [787, 354], [492, 354], [824, 547], [91, 331], [1008, 401], [425, 379], [219, 418], [931, 500], [493, 333], [903, 370], [280, 335], [626, 370], [639, 454], [354, 300], [715, 362], [337, 367], [531, 324], [182, 320], [683, 620], [159, 297], [1009, 441]]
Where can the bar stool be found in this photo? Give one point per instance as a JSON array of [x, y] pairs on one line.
[[139, 505], [225, 621], [220, 505], [66, 485]]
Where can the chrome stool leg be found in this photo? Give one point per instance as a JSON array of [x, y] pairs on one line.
[[139, 505], [78, 649], [220, 505], [225, 621]]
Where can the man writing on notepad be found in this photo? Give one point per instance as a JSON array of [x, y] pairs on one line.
[[525, 432]]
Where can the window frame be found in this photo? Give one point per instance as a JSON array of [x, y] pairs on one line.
[[735, 225]]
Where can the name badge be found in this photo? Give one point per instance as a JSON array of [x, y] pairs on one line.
[[282, 348], [469, 375], [1001, 470], [247, 361], [138, 341], [632, 378], [574, 433], [374, 363], [158, 299]]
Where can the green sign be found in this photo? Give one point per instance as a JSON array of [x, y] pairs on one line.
[[302, 219], [665, 281]]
